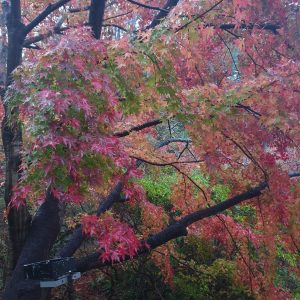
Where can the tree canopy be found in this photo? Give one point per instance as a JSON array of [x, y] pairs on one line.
[[99, 94]]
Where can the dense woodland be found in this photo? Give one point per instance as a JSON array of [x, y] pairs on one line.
[[156, 142]]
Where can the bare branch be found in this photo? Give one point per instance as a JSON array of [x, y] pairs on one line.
[[267, 26], [172, 163], [197, 17], [172, 140], [115, 25], [120, 15], [148, 6]]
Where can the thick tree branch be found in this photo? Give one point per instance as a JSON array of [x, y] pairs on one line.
[[38, 38], [266, 26], [43, 15], [138, 127], [18, 220], [178, 228]]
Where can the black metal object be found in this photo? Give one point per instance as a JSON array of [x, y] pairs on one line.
[[51, 269]]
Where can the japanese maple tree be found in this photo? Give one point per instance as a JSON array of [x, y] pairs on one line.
[[81, 102]]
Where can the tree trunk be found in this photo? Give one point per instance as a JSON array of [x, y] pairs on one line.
[[42, 235], [18, 220]]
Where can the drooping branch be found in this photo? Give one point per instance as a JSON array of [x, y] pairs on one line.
[[148, 6], [178, 228], [138, 127], [43, 15]]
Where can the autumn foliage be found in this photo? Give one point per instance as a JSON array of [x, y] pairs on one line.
[[227, 71]]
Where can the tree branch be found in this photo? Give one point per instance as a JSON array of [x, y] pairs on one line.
[[172, 140], [199, 16], [77, 237], [148, 6], [43, 15], [58, 29], [116, 26], [178, 228], [162, 14], [166, 163], [266, 26], [138, 127]]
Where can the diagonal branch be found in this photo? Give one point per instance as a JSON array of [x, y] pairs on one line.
[[43, 15], [43, 36], [197, 17], [138, 127], [178, 228]]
